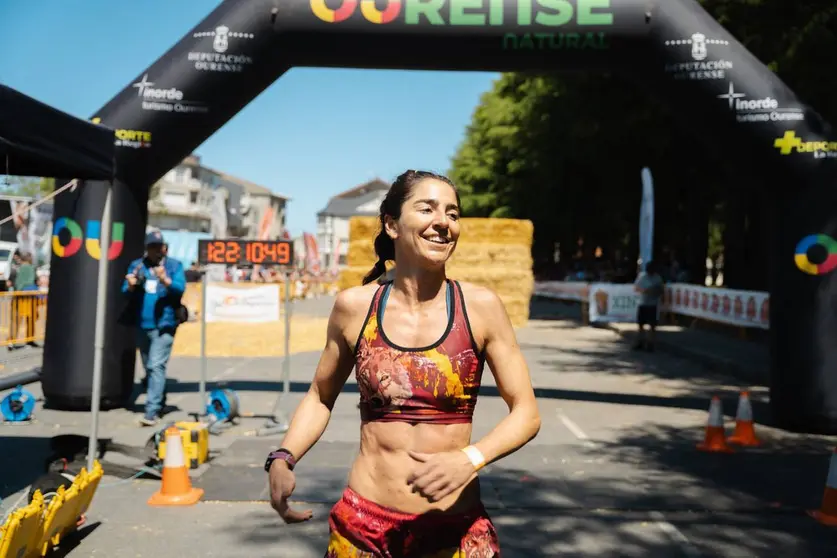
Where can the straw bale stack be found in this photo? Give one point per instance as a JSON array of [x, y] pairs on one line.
[[363, 228], [251, 340], [468, 253], [495, 253]]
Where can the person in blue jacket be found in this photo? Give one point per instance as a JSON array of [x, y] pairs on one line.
[[155, 285]]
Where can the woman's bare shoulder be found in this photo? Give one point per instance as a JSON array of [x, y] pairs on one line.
[[482, 297], [354, 300]]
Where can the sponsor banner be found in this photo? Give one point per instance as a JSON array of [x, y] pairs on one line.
[[733, 307], [562, 290], [610, 302], [791, 144], [541, 27], [132, 139], [705, 64], [164, 99], [767, 109], [221, 58], [251, 305]]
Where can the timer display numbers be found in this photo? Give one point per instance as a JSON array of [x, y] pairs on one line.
[[237, 252]]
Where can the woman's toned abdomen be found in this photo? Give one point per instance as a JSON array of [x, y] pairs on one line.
[[383, 466]]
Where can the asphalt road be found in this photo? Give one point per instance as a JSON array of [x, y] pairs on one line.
[[613, 472]]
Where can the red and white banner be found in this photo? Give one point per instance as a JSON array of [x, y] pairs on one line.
[[609, 302], [266, 224], [741, 308], [312, 253]]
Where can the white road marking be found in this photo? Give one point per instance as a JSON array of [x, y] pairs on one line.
[[575, 429], [675, 534]]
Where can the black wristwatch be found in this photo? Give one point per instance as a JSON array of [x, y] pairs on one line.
[[283, 454]]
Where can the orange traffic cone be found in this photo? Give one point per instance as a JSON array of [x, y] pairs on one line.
[[715, 439], [827, 514], [745, 432], [176, 489]]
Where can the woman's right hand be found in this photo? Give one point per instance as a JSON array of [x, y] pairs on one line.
[[282, 483]]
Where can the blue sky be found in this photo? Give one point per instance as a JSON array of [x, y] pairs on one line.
[[77, 54]]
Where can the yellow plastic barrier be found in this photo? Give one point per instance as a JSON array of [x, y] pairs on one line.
[[20, 535], [22, 317], [88, 489], [67, 507], [61, 517], [33, 531]]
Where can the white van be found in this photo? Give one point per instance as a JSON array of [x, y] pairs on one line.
[[7, 252]]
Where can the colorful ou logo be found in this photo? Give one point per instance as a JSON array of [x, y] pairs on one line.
[[367, 8], [92, 244], [805, 265]]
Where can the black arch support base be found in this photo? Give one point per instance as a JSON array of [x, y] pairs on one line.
[[244, 45]]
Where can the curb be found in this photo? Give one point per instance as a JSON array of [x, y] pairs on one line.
[[738, 370]]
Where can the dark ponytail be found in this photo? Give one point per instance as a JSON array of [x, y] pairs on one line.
[[391, 205], [385, 250]]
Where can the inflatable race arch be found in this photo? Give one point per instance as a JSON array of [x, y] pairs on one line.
[[672, 47]]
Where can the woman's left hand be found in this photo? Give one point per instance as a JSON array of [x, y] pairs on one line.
[[439, 474]]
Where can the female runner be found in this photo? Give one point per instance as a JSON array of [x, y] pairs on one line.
[[419, 344]]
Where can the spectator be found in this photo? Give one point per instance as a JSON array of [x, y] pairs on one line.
[[650, 287], [155, 286], [22, 279]]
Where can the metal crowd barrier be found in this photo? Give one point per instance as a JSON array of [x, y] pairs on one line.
[[22, 317]]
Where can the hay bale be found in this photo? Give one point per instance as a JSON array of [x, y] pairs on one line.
[[192, 296], [492, 255], [514, 286], [363, 228], [361, 253], [352, 276], [517, 308], [251, 340], [497, 231], [495, 253], [504, 281], [474, 229]]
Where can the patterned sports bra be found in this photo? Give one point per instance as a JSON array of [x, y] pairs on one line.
[[434, 384]]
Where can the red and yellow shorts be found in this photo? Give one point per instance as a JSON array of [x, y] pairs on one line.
[[360, 528]]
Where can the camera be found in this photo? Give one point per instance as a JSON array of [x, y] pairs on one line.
[[140, 275]]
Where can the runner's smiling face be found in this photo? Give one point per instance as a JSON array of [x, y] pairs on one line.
[[429, 226]]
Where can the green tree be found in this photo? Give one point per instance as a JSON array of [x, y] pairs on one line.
[[565, 151], [28, 187]]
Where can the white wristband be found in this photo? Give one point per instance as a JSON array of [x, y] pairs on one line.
[[476, 457]]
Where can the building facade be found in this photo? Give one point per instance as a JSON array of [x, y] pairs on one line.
[[333, 220], [182, 199], [188, 196], [194, 200]]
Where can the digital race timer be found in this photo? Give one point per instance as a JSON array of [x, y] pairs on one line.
[[235, 252]]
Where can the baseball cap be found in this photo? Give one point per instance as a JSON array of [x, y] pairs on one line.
[[154, 237]]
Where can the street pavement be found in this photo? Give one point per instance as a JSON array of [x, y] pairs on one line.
[[613, 472]]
